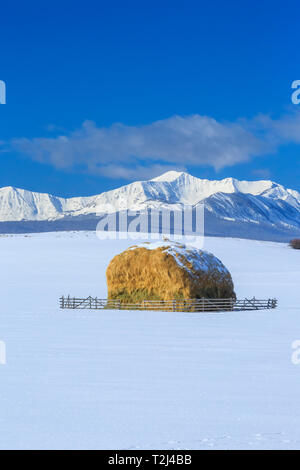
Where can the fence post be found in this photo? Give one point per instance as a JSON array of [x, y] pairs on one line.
[[174, 305]]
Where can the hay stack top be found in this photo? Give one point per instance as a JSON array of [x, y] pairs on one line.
[[167, 270]]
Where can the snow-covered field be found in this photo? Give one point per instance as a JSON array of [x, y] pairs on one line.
[[144, 380]]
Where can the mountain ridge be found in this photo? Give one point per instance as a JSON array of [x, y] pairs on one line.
[[170, 188], [261, 202]]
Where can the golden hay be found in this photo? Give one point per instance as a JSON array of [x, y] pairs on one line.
[[162, 273]]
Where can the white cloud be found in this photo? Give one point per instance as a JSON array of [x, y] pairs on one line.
[[133, 152], [138, 172]]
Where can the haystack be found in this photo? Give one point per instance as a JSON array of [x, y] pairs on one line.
[[167, 270]]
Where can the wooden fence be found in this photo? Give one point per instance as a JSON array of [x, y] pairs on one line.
[[181, 305]]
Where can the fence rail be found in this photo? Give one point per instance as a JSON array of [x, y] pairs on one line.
[[175, 305]]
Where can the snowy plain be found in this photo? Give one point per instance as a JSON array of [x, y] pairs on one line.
[[145, 380]]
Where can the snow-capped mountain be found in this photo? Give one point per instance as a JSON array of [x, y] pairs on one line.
[[228, 201], [19, 204]]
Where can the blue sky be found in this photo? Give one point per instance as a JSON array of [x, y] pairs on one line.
[[103, 93]]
